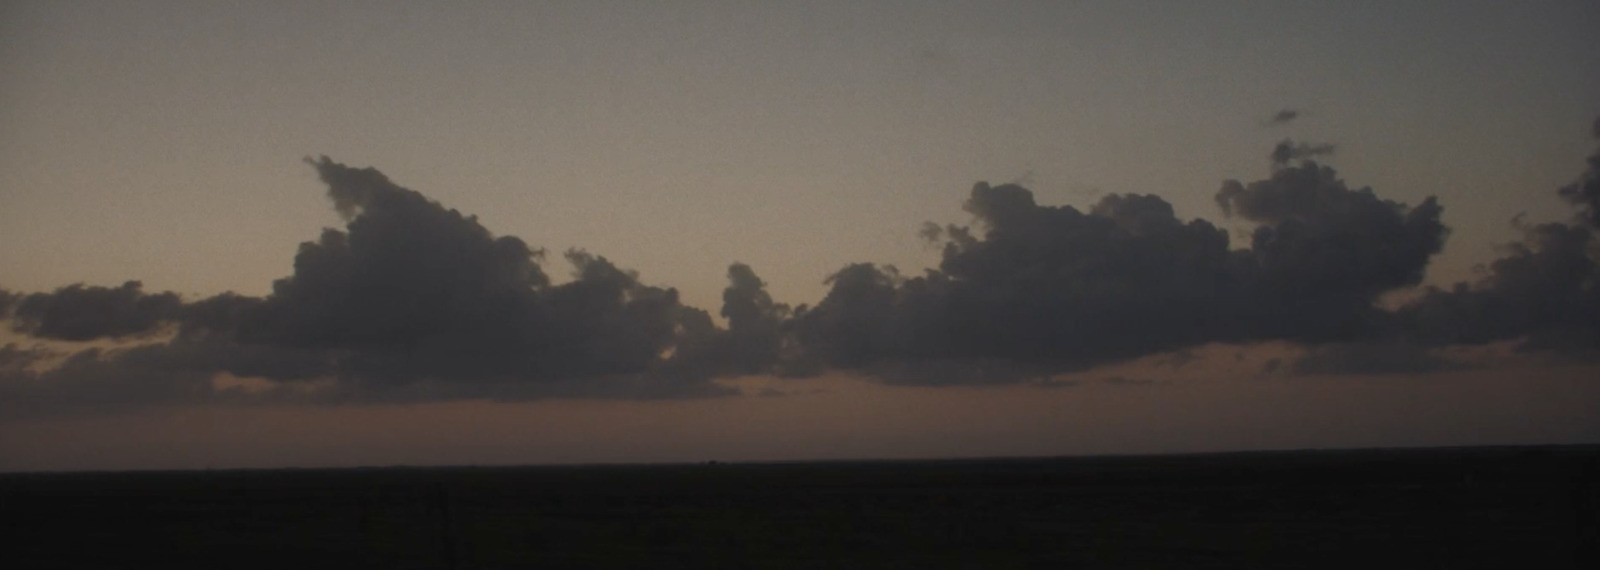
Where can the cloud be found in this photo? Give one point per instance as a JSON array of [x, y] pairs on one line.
[[754, 337], [95, 381], [15, 362], [750, 345], [409, 300], [1323, 252], [1544, 293], [79, 312], [1289, 151], [1283, 117], [1585, 192], [412, 301], [1040, 290], [412, 292]]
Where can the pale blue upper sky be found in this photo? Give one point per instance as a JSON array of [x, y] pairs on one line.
[[161, 140]]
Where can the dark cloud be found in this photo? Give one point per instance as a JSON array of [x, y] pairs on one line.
[[15, 361], [97, 380], [79, 312], [1585, 193], [410, 300], [1544, 294], [753, 321], [1077, 288], [751, 344], [1288, 151], [851, 326], [7, 299], [1283, 117], [413, 301], [412, 292], [1323, 252], [1039, 290]]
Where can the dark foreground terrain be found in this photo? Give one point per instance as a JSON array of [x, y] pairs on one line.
[[1439, 508]]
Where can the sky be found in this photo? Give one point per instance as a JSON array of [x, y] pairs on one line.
[[531, 232]]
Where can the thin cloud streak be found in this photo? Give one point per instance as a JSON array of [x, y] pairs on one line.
[[1283, 117]]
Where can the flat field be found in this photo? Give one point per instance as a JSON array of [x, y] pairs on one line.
[[1502, 507]]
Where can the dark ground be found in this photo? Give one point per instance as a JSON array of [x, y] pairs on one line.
[[1527, 507]]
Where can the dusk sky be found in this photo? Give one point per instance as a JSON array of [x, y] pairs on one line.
[[1130, 227]]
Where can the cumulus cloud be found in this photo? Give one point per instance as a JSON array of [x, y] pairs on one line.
[[79, 312], [411, 292], [1585, 192], [751, 344], [1323, 252], [1037, 290], [1544, 294], [754, 320], [410, 300]]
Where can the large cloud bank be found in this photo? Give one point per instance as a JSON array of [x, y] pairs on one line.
[[415, 301]]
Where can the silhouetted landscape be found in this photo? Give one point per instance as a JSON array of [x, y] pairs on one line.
[[1530, 507]]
